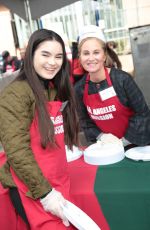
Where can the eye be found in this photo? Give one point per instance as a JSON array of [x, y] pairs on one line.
[[85, 53], [45, 55], [59, 56], [96, 52]]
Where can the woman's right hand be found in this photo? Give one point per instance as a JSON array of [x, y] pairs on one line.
[[53, 203]]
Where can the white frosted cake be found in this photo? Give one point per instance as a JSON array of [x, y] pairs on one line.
[[102, 153]]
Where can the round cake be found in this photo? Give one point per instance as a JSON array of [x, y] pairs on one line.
[[104, 153]]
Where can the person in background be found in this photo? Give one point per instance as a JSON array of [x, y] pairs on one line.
[[11, 63], [37, 118], [22, 55], [77, 70], [111, 46], [110, 102]]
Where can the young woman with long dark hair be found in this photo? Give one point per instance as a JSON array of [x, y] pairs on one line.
[[37, 118]]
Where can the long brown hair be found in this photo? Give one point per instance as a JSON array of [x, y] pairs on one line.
[[61, 83]]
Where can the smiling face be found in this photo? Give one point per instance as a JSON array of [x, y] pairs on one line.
[[48, 59], [92, 55]]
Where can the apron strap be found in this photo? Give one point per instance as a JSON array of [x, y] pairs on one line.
[[87, 81], [108, 77]]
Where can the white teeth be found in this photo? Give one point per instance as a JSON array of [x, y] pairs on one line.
[[50, 69]]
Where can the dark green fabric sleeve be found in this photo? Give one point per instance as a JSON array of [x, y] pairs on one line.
[[16, 114]]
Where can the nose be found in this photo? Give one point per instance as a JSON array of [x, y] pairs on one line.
[[51, 61], [91, 56]]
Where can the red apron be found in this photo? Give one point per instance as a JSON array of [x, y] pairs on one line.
[[9, 219], [109, 115], [53, 164]]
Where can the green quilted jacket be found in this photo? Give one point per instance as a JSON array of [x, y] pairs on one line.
[[17, 107]]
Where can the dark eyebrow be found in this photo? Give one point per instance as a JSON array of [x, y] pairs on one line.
[[45, 52], [48, 53]]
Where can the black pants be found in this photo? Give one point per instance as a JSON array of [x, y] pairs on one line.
[[17, 203]]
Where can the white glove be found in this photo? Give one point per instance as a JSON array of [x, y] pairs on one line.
[[52, 203], [107, 138], [125, 142]]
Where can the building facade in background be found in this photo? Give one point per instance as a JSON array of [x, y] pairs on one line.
[[114, 17], [14, 32]]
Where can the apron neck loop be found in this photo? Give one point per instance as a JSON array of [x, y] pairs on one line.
[[107, 77], [87, 79]]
